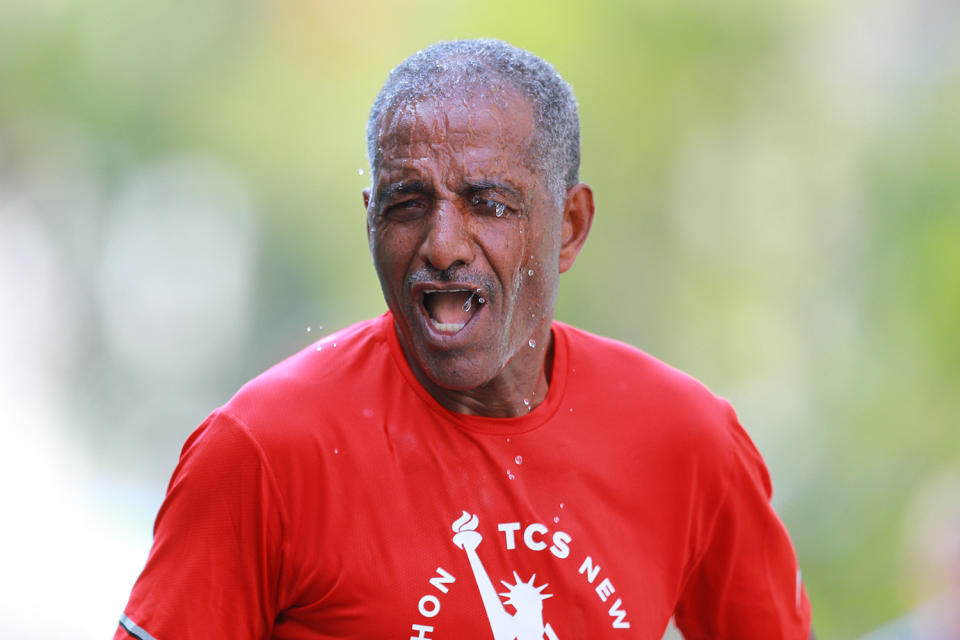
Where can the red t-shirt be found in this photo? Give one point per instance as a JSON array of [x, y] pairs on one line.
[[333, 497]]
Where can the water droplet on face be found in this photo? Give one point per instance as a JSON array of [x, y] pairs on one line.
[[481, 300], [500, 209], [518, 459], [510, 474], [526, 403], [466, 305], [530, 272], [359, 172], [532, 343]]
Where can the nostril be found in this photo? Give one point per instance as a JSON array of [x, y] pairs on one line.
[[445, 268]]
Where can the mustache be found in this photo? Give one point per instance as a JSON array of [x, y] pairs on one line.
[[458, 274]]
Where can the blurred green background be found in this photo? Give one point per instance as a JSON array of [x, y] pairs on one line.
[[778, 214]]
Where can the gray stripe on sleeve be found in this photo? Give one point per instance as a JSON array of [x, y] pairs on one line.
[[134, 629]]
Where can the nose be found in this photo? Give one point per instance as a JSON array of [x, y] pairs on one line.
[[448, 242]]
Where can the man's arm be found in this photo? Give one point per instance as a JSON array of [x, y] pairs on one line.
[[212, 571], [745, 584]]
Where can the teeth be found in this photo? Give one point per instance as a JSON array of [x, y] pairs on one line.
[[447, 327], [445, 290]]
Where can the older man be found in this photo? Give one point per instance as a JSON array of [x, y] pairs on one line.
[[464, 466]]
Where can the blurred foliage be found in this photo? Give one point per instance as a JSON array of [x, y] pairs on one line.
[[778, 213]]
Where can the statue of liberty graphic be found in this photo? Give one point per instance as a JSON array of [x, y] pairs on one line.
[[526, 599]]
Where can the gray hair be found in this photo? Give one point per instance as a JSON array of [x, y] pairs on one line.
[[448, 69]]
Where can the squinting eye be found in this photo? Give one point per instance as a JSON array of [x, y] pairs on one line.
[[403, 211], [492, 206]]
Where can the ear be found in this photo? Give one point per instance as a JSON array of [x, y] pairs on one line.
[[577, 219], [366, 207]]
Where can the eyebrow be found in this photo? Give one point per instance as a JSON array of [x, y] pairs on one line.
[[406, 186], [472, 187], [479, 186]]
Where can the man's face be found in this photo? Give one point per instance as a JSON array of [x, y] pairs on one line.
[[465, 238]]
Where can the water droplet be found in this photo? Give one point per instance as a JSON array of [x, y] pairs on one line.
[[319, 347], [336, 452], [334, 344], [556, 519], [359, 172], [309, 329], [526, 403], [561, 505], [571, 409], [518, 459], [500, 209], [466, 305], [320, 328], [530, 272], [510, 474], [508, 440], [532, 343]]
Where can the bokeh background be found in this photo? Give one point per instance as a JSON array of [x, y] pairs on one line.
[[778, 214]]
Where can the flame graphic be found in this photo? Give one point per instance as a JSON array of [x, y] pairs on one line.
[[466, 522]]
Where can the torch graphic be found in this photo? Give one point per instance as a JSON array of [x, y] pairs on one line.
[[465, 532]]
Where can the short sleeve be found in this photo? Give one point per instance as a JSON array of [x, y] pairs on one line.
[[214, 566], [746, 584]]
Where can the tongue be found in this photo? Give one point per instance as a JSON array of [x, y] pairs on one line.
[[448, 308]]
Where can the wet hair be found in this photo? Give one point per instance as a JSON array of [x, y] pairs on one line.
[[483, 68]]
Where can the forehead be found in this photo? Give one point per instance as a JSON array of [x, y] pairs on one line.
[[473, 133]]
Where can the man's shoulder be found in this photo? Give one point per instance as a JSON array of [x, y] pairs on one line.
[[313, 378], [648, 390], [621, 365]]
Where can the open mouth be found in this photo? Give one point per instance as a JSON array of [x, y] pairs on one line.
[[451, 309]]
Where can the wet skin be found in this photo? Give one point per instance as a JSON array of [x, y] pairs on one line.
[[448, 168]]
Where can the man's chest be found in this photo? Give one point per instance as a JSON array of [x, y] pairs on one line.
[[486, 544]]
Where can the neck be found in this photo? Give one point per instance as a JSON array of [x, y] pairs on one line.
[[519, 387]]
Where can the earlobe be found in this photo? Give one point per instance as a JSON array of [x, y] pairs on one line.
[[578, 212]]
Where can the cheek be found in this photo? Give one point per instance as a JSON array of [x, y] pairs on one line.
[[390, 257], [512, 256]]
